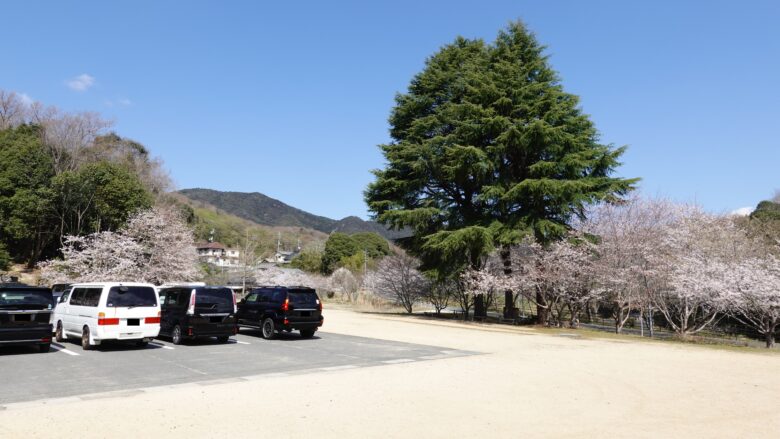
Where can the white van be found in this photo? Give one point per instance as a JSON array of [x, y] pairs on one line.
[[108, 311]]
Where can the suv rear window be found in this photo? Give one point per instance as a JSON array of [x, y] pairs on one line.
[[131, 297], [218, 299], [303, 298], [25, 298]]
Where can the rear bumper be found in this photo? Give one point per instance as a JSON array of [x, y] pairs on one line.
[[202, 326], [298, 325], [209, 331], [140, 332], [26, 336]]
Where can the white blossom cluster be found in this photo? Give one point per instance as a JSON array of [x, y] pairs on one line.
[[155, 246], [645, 256]]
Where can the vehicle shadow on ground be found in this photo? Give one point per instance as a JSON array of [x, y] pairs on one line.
[[200, 341], [110, 346], [8, 351], [281, 336]]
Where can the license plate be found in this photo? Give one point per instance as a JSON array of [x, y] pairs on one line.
[[23, 318], [130, 335], [215, 320], [305, 313], [133, 322]]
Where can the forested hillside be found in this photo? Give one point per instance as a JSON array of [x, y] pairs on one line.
[[265, 210]]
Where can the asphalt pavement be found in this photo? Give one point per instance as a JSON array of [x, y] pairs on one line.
[[68, 371]]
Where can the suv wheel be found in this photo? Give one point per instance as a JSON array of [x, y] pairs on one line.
[[307, 333], [223, 339], [176, 335], [85, 339], [269, 329], [44, 347], [59, 335]]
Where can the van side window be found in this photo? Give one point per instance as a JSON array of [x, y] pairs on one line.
[[172, 297], [91, 296], [252, 297], [265, 295], [77, 296], [278, 296]]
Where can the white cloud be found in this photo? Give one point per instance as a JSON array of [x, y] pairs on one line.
[[742, 211], [26, 99], [81, 82], [124, 101]]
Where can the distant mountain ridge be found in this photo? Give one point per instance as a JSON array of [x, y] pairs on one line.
[[262, 209]]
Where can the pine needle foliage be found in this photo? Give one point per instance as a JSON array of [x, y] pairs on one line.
[[488, 148]]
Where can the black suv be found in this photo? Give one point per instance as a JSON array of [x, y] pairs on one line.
[[25, 316], [274, 309], [191, 312]]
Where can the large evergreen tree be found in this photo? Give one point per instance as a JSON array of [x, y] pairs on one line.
[[487, 148]]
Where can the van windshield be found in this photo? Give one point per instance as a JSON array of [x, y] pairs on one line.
[[303, 298], [214, 299], [26, 298], [131, 297]]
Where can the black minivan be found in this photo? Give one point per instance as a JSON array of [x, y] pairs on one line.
[[25, 316], [274, 309], [191, 312]]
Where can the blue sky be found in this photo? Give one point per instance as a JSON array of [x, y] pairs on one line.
[[291, 98]]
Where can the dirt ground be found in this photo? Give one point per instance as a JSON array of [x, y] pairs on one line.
[[526, 383]]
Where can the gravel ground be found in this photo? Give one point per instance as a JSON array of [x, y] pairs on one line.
[[522, 383]]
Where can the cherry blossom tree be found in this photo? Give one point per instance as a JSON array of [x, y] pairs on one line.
[[273, 275], [155, 246], [96, 257], [701, 249], [632, 259], [168, 245], [344, 281], [757, 300], [397, 278], [439, 294]]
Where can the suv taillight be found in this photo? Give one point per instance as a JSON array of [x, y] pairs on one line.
[[286, 304], [319, 305], [191, 309]]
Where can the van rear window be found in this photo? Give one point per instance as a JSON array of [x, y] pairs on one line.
[[217, 299], [24, 298], [303, 298], [131, 297]]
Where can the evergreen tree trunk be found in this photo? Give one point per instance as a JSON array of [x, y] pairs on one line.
[[479, 306], [510, 312]]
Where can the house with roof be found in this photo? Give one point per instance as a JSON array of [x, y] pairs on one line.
[[217, 254]]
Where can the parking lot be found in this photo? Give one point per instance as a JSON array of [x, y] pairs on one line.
[[67, 370]]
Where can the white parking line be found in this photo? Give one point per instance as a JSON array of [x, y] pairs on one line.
[[242, 342], [160, 345], [61, 348]]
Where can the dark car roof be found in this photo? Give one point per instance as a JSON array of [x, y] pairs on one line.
[[22, 287]]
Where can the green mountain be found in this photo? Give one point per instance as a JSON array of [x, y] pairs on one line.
[[262, 209]]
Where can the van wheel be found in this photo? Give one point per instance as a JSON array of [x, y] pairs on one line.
[[85, 339], [176, 335], [44, 347], [58, 333], [307, 333], [222, 339], [269, 330]]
